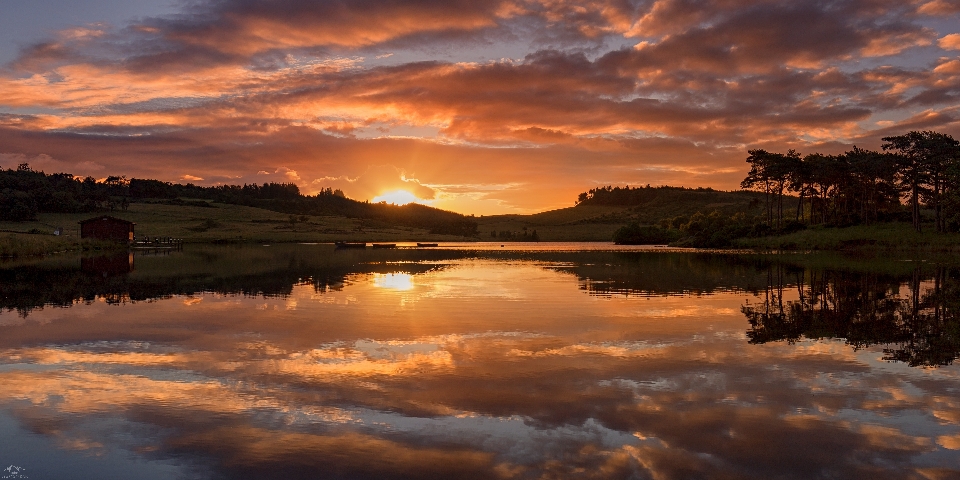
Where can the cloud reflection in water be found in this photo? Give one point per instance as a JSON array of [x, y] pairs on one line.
[[538, 380]]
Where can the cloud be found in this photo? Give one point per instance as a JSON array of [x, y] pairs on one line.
[[940, 7], [49, 164], [375, 181], [290, 175], [228, 89], [669, 405], [767, 36], [950, 42]]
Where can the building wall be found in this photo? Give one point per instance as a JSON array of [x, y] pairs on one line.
[[107, 229]]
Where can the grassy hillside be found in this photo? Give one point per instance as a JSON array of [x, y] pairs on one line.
[[24, 193], [230, 222], [581, 223], [588, 222], [220, 222], [216, 223]]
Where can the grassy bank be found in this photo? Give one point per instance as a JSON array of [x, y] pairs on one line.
[[880, 237], [16, 245], [219, 223], [216, 223], [22, 244]]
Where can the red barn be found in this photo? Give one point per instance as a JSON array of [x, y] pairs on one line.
[[107, 228]]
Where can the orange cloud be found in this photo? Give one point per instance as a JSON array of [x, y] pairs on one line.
[[950, 42], [939, 7], [374, 181], [327, 91]]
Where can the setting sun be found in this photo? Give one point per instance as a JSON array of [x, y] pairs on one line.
[[398, 197]]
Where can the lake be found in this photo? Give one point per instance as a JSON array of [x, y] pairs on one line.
[[478, 361]]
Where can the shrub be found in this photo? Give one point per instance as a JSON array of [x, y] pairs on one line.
[[636, 234], [18, 206]]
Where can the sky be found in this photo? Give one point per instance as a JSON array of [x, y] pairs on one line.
[[480, 106]]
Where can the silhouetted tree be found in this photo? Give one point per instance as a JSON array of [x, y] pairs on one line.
[[925, 160], [760, 177], [863, 185]]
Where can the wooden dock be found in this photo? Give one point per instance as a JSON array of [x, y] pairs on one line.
[[156, 243]]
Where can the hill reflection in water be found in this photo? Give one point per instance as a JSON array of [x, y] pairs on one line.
[[301, 362]]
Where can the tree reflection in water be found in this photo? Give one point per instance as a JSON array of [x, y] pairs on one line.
[[912, 310], [915, 316], [62, 281], [296, 361]]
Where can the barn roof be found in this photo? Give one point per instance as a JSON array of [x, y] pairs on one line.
[[106, 217]]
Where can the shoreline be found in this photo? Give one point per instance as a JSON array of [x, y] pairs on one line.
[[235, 224], [25, 246]]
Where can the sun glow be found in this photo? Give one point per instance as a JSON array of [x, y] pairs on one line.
[[397, 197]]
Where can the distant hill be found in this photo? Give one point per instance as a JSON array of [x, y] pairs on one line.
[[600, 212], [653, 204], [27, 193]]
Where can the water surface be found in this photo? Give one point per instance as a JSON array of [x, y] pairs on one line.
[[300, 361]]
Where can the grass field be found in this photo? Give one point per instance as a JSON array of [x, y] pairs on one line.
[[224, 223], [236, 223], [598, 222], [14, 245], [583, 223], [880, 237], [22, 244]]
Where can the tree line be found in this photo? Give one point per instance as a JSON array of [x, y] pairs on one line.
[[26, 192], [921, 168], [630, 196]]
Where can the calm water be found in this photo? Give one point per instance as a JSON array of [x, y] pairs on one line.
[[298, 361]]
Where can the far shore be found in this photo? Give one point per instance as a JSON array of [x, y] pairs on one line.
[[858, 239], [227, 224]]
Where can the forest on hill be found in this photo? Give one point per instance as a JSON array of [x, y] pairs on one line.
[[633, 196], [912, 174], [25, 192]]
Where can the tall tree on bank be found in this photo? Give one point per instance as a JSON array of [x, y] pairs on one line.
[[853, 187], [820, 183], [800, 178], [782, 169], [943, 155], [924, 160], [775, 173], [873, 177], [759, 177]]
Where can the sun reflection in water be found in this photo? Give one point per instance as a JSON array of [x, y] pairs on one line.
[[394, 281]]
